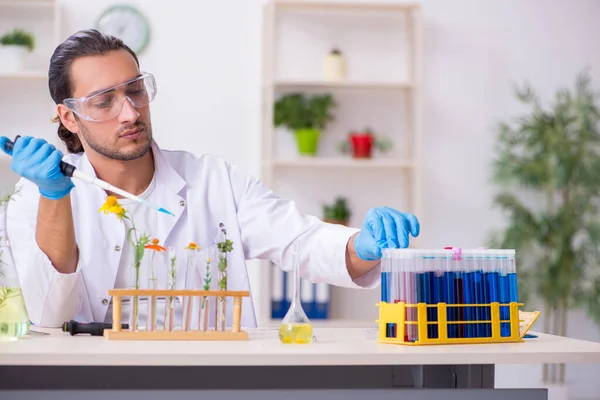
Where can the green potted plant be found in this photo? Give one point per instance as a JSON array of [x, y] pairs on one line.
[[363, 142], [306, 116], [14, 46], [552, 153], [338, 212]]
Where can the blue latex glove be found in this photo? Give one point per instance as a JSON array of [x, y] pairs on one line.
[[39, 161], [383, 228]]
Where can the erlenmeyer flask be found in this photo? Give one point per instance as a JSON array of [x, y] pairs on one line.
[[14, 320], [296, 327]]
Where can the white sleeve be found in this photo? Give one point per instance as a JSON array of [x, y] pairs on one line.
[[51, 297], [269, 225]]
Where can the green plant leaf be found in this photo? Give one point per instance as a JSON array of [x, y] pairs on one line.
[[299, 111], [19, 37]]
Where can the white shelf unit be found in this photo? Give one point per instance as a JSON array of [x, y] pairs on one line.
[[305, 179], [26, 107]]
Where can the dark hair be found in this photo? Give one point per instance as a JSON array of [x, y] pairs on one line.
[[88, 42]]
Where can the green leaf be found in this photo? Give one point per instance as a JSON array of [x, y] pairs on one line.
[[298, 111]]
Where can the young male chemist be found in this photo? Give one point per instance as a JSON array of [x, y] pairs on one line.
[[68, 254]]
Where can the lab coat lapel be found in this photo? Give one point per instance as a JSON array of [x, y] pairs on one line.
[[168, 186]]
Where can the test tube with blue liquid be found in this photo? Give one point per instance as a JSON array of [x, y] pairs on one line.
[[411, 293], [449, 292], [479, 291], [513, 289], [458, 290], [493, 278], [468, 287], [508, 287], [386, 282]]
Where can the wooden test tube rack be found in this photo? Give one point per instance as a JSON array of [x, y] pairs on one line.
[[187, 332]]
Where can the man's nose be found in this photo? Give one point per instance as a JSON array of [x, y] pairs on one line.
[[128, 112]]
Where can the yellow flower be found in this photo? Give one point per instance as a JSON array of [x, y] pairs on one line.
[[192, 246], [112, 206]]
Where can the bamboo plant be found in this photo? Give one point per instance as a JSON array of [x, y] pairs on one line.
[[550, 157]]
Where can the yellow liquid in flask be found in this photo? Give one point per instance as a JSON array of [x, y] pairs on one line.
[[295, 333], [14, 320]]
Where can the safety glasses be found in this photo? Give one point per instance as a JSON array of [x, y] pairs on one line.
[[108, 103]]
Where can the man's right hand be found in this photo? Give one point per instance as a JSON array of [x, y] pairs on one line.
[[39, 161]]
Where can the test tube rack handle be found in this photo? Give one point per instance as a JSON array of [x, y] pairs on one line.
[[187, 332]]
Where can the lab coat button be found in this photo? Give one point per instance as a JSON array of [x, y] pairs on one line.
[[117, 248], [182, 203], [104, 302]]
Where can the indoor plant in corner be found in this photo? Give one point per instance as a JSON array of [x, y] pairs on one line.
[[306, 116], [551, 154], [14, 46], [338, 212]]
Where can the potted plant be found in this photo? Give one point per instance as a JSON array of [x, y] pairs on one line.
[[13, 48], [363, 142], [553, 153], [338, 212], [306, 116]]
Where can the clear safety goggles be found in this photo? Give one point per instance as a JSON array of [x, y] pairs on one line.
[[108, 103]]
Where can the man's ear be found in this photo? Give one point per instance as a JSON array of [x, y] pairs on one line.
[[67, 118]]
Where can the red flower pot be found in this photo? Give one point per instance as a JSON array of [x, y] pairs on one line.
[[362, 145]]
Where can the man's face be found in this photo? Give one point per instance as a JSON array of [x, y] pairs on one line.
[[127, 136]]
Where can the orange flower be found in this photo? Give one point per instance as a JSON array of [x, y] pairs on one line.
[[155, 246], [192, 246]]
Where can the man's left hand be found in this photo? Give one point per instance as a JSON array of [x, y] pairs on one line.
[[383, 228]]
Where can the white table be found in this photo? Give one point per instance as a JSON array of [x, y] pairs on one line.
[[341, 358]]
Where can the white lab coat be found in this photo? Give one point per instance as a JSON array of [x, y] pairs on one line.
[[202, 191]]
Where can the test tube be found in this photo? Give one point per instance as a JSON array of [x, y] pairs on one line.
[[449, 292], [458, 291], [411, 295], [385, 265], [507, 274], [478, 291], [493, 277], [468, 292], [487, 270], [385, 284], [438, 287], [513, 289], [394, 286]]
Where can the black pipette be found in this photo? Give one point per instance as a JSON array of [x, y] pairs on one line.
[[92, 328]]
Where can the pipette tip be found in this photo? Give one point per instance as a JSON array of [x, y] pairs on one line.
[[165, 211]]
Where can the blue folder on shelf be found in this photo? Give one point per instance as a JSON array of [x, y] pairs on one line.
[[278, 308], [313, 296]]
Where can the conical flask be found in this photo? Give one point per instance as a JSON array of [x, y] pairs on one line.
[[295, 327], [14, 320]]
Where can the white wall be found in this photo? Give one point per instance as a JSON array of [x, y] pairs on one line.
[[206, 56]]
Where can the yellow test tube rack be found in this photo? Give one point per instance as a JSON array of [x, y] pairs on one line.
[[190, 300], [418, 323]]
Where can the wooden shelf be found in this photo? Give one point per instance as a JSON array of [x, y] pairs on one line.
[[27, 3], [322, 162], [374, 84], [291, 85], [344, 5], [24, 75]]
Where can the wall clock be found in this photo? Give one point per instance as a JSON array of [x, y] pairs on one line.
[[126, 23]]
